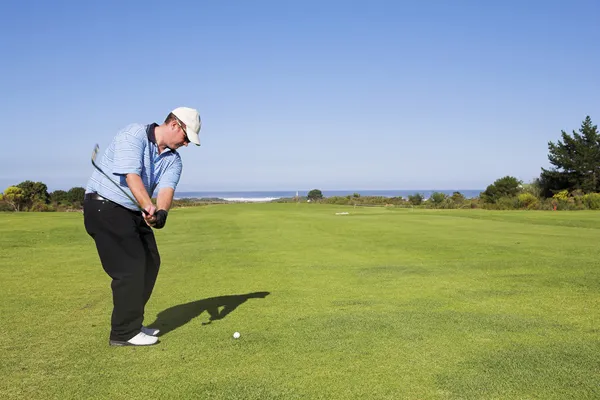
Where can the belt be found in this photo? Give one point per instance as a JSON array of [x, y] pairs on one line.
[[94, 196]]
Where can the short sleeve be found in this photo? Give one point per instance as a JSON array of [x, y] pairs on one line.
[[171, 176], [129, 153]]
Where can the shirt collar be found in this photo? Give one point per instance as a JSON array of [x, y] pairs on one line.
[[150, 132], [152, 138]]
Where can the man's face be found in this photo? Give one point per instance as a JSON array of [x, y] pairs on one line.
[[178, 135]]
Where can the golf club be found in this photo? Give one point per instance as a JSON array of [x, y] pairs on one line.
[[94, 154]]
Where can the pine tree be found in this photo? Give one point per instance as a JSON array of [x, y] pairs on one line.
[[575, 160]]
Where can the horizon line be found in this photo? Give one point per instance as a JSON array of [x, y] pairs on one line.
[[308, 190]]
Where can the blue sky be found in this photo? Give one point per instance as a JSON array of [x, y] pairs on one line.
[[300, 95]]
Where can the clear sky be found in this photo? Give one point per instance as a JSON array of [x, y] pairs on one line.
[[300, 94]]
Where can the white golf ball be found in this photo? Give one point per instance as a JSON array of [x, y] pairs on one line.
[[236, 335]]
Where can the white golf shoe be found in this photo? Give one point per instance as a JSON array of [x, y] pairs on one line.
[[141, 339], [150, 331]]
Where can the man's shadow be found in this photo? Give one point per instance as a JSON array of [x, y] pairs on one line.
[[177, 316]]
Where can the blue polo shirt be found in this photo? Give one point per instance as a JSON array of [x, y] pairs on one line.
[[134, 151]]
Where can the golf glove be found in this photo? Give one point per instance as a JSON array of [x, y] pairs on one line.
[[161, 219]]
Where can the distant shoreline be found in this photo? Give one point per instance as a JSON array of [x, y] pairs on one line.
[[266, 196]]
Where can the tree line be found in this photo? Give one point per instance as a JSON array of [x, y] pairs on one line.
[[571, 183], [34, 196]]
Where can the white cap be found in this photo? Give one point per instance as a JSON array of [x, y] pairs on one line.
[[191, 119]]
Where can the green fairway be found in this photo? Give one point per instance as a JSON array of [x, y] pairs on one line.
[[377, 304]]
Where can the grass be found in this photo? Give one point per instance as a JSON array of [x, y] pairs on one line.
[[380, 304]]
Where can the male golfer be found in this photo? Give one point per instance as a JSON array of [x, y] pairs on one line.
[[141, 159]]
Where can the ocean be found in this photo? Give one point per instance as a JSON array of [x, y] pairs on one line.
[[263, 196]]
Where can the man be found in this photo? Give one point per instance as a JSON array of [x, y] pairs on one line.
[[142, 159]]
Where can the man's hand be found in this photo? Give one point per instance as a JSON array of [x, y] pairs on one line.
[[161, 219], [150, 218]]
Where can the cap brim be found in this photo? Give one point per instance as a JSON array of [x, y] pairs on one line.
[[194, 138]]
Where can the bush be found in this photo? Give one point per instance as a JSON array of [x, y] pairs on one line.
[[59, 196], [340, 200], [315, 194], [563, 195], [528, 201], [75, 195], [41, 207], [566, 205], [4, 206], [546, 204], [578, 199], [437, 198], [473, 203], [14, 197], [508, 186], [398, 201], [503, 203], [459, 199], [592, 201], [508, 203], [415, 199], [448, 203]]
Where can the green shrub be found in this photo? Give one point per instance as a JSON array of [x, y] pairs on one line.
[[474, 203], [567, 204], [563, 195], [448, 203], [546, 204], [59, 196], [41, 207], [528, 200], [4, 206], [577, 196], [437, 198], [459, 200], [592, 201], [315, 194], [508, 186], [341, 200], [415, 199], [506, 203]]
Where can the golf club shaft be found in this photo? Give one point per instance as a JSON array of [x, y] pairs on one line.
[[115, 183]]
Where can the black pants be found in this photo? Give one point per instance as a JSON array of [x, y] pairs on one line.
[[128, 253]]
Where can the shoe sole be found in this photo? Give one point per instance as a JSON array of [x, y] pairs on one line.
[[121, 343]]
